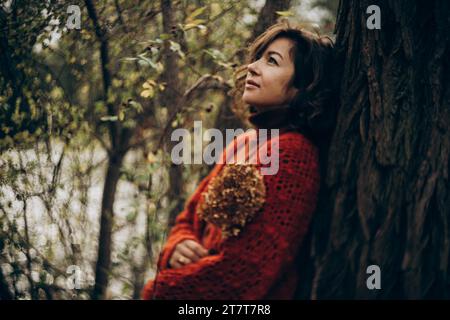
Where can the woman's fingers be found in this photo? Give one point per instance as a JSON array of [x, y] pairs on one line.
[[174, 265], [187, 252], [183, 260], [178, 260], [197, 248]]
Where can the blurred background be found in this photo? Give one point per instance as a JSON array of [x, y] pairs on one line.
[[89, 94]]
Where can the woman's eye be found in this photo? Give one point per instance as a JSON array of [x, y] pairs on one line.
[[272, 60]]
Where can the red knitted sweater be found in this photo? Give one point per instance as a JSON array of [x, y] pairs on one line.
[[259, 263]]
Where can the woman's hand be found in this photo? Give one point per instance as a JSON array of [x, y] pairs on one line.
[[185, 252]]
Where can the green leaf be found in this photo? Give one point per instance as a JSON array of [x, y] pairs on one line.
[[159, 67], [225, 65], [128, 59], [154, 51], [195, 13], [146, 60], [136, 105], [215, 54], [121, 115], [285, 13], [175, 46], [165, 36], [194, 24], [109, 118]]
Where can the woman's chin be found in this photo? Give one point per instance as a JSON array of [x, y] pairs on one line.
[[249, 100]]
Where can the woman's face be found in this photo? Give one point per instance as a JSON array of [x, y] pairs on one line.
[[267, 81]]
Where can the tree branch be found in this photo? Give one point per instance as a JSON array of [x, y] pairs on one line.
[[106, 74]]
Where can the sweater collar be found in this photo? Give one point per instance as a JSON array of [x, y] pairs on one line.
[[273, 118]]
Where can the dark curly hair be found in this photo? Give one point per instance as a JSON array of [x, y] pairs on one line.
[[313, 109]]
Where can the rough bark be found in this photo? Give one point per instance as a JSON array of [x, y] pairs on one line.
[[386, 198]]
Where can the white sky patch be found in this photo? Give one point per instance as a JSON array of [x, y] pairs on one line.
[[314, 15]]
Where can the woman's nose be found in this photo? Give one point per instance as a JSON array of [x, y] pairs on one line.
[[252, 68]]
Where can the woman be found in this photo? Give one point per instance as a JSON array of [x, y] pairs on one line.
[[240, 232]]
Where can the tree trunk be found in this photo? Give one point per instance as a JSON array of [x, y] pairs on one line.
[[386, 198], [119, 141], [268, 16], [170, 99], [103, 265]]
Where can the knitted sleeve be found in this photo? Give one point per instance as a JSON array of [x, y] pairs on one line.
[[183, 227], [248, 265], [182, 230]]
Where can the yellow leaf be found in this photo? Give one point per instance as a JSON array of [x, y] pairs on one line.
[[121, 115], [193, 24], [159, 67], [151, 158], [215, 8], [149, 84], [195, 13], [285, 13], [117, 83], [147, 93]]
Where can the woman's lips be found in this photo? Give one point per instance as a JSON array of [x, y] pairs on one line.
[[250, 86]]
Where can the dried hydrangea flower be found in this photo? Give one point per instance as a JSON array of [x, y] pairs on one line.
[[233, 198]]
